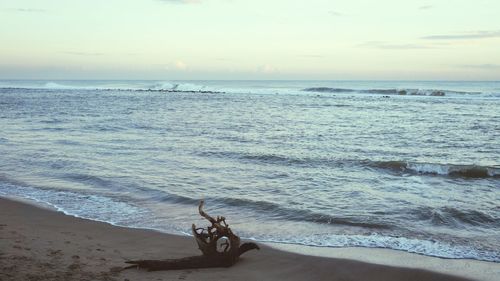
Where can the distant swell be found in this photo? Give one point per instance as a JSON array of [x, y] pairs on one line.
[[186, 87], [402, 92], [328, 90]]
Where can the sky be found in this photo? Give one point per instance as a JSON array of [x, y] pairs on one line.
[[257, 39]]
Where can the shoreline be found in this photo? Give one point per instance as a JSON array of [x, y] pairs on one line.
[[40, 243]]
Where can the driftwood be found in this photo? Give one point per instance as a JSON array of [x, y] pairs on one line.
[[219, 245]]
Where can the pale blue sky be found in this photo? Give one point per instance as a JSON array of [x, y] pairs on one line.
[[236, 39]]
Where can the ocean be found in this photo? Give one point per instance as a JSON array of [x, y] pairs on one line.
[[404, 165]]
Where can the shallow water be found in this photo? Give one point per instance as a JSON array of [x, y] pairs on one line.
[[366, 167]]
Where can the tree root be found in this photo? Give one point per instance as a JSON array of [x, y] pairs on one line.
[[207, 239]]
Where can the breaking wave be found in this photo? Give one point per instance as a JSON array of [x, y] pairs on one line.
[[139, 87], [464, 171]]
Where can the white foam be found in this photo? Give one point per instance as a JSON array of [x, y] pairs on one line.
[[160, 86], [427, 168], [94, 207], [185, 87], [181, 87], [52, 85], [424, 247], [163, 86]]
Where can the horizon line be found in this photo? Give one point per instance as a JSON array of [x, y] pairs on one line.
[[284, 80]]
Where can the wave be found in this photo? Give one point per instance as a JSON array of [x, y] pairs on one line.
[[88, 179], [299, 214], [392, 91], [448, 216], [460, 171], [83, 205], [140, 87], [454, 217], [276, 211], [264, 158], [103, 207], [180, 87], [463, 171], [52, 85], [203, 87], [328, 90]]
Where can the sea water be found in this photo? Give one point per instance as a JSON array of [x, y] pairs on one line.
[[412, 166]]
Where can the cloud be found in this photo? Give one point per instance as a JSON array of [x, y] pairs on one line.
[[28, 10], [335, 13], [311, 56], [83, 54], [181, 1], [472, 35], [180, 65], [176, 65], [392, 46], [267, 69], [486, 66], [425, 7]]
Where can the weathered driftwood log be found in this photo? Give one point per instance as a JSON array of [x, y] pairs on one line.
[[219, 245]]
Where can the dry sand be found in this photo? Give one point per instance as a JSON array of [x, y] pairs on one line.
[[40, 244]]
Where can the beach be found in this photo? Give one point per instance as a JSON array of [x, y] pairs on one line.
[[41, 244]]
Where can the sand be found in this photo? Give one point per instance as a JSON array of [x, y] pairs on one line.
[[41, 244]]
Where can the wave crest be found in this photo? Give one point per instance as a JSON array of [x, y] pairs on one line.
[[463, 171]]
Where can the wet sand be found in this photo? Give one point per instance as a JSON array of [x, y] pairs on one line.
[[41, 244]]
